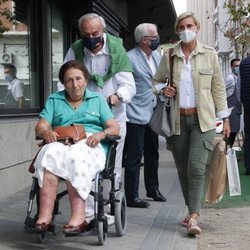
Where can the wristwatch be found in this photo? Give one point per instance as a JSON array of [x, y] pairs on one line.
[[226, 119], [119, 96]]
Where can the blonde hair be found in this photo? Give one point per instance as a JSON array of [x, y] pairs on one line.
[[183, 16]]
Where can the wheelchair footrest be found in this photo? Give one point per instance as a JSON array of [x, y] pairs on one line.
[[89, 232]]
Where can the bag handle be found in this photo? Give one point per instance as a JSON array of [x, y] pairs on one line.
[[171, 66], [227, 144], [77, 132]]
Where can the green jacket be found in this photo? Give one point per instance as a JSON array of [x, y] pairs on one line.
[[119, 58]]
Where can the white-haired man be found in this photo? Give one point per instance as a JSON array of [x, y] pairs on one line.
[[140, 138], [111, 73]]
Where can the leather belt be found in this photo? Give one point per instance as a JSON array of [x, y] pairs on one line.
[[188, 111]]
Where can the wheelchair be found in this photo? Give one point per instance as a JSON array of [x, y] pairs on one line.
[[116, 203]]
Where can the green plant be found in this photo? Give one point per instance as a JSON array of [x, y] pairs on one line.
[[238, 29]]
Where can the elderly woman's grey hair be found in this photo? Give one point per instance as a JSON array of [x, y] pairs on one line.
[[183, 16], [90, 16], [143, 30]]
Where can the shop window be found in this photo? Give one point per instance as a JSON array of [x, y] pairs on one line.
[[18, 91], [57, 45]]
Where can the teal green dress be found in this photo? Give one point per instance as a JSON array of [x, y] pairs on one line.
[[77, 163]]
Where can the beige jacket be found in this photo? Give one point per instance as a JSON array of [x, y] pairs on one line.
[[210, 93]]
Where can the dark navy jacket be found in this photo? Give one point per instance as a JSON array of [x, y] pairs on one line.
[[245, 80]]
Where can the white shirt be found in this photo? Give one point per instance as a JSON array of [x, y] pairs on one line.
[[122, 82], [187, 93], [230, 84], [16, 87], [150, 60]]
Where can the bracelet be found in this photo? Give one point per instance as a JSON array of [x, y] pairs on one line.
[[119, 96], [105, 131], [226, 119]]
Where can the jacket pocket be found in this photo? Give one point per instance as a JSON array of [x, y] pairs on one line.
[[206, 71], [205, 75]]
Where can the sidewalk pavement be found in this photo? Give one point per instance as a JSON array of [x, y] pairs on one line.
[[157, 227]]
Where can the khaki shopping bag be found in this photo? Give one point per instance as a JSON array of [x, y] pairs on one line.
[[217, 174]]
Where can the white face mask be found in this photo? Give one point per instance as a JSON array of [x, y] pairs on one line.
[[187, 36]]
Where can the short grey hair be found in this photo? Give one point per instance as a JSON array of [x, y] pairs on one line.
[[143, 30], [90, 16]]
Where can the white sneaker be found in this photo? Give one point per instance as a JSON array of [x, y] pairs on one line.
[[193, 228], [90, 218], [110, 218]]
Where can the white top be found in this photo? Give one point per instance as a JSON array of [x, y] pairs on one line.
[[122, 82], [150, 60], [16, 87], [187, 93], [230, 83]]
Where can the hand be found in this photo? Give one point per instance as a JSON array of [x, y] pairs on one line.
[[226, 128], [169, 91], [93, 140], [113, 100], [49, 136]]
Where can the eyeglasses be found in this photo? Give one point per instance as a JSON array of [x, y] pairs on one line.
[[154, 37]]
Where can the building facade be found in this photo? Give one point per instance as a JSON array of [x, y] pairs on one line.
[[215, 21]]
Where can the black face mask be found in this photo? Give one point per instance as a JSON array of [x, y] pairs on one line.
[[155, 43], [91, 42]]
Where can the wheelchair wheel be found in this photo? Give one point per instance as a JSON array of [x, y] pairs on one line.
[[120, 214], [102, 233], [41, 238]]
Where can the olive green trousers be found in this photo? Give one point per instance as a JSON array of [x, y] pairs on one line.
[[190, 150]]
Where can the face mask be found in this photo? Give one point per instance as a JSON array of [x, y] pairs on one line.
[[187, 36], [154, 44], [91, 42], [8, 77], [236, 70]]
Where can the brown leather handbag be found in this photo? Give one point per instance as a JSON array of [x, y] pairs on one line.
[[70, 134], [67, 135]]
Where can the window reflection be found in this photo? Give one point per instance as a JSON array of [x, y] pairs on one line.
[[14, 59], [57, 45]]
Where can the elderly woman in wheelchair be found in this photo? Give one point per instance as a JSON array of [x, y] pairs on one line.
[[77, 163]]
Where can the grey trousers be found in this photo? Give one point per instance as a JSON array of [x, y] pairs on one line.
[[190, 150]]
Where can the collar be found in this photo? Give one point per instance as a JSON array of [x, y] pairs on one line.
[[62, 95], [200, 48], [144, 54], [12, 82]]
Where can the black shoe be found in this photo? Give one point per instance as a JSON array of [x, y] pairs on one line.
[[156, 196], [247, 172], [137, 202]]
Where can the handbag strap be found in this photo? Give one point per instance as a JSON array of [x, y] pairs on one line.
[[77, 133], [171, 66]]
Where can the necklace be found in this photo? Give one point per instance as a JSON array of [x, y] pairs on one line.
[[75, 104]]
